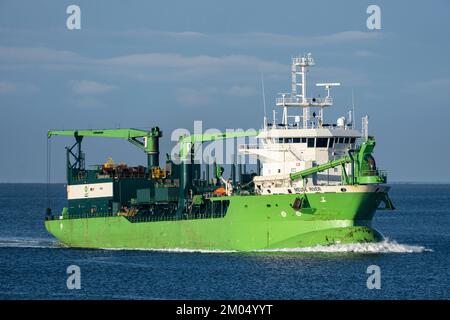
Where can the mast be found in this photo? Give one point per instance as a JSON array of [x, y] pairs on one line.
[[298, 98]]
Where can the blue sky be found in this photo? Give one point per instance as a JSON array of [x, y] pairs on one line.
[[168, 63]]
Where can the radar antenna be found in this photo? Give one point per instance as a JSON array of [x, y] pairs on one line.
[[299, 99]]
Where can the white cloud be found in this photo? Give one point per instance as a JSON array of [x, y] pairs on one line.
[[40, 55], [276, 39], [190, 97], [89, 87], [242, 91], [245, 39], [68, 60], [365, 54], [425, 87], [350, 36], [173, 67], [255, 38], [431, 91], [168, 67], [141, 66], [87, 103], [7, 87], [436, 83], [141, 33], [193, 98], [170, 60]]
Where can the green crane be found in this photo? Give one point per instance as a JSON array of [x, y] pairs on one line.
[[187, 143], [363, 166], [328, 165], [149, 142], [187, 151]]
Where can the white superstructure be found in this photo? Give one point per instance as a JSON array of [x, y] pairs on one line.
[[302, 139]]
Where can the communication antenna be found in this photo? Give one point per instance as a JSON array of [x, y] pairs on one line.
[[328, 100], [264, 100], [353, 110], [298, 98]]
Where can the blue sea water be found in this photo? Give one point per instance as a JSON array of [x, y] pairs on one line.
[[414, 262]]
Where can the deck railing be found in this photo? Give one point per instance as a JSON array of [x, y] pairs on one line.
[[298, 101]]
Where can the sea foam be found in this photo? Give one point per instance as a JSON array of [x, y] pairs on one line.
[[29, 243], [386, 246]]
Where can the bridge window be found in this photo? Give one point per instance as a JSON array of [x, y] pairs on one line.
[[330, 143], [341, 140], [347, 140], [322, 142], [352, 140], [296, 140], [287, 140], [303, 140], [311, 142], [279, 140]]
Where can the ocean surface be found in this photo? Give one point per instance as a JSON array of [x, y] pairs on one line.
[[414, 262]]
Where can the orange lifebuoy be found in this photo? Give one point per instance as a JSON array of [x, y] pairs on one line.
[[220, 191]]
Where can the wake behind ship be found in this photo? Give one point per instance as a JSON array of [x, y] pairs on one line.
[[316, 183]]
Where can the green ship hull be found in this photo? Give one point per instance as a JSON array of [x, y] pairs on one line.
[[256, 222], [313, 185]]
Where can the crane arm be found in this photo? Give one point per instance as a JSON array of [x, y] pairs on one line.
[[319, 168], [149, 142], [106, 133], [363, 166], [129, 134], [187, 142]]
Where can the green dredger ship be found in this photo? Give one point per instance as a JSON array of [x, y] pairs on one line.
[[315, 185]]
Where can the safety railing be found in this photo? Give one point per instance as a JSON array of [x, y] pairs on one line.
[[371, 173], [298, 101], [185, 216], [249, 146], [146, 218]]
